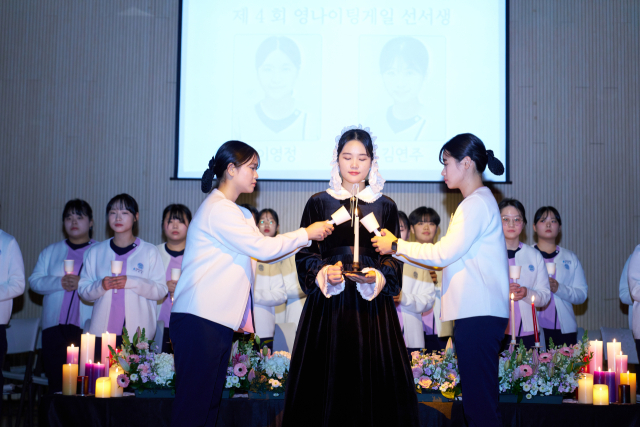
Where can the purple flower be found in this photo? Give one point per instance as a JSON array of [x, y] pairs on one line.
[[450, 366], [416, 372], [428, 371]]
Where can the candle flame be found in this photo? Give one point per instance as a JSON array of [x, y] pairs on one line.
[[512, 295], [89, 360], [72, 346], [533, 297], [599, 368], [614, 340]]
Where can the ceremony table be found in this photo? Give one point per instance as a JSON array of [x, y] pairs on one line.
[[69, 411]]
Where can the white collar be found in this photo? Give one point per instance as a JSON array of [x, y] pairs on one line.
[[367, 195]]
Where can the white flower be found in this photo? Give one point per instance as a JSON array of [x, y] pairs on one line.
[[534, 392], [235, 379], [526, 387], [134, 377], [416, 380], [529, 396]]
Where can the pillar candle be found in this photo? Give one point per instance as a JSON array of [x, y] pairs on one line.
[[600, 395], [116, 390], [613, 349], [87, 351], [88, 369], [595, 347], [621, 366], [107, 340], [585, 389], [598, 377], [103, 387], [72, 354], [627, 378], [610, 381], [69, 379], [356, 243], [513, 321]]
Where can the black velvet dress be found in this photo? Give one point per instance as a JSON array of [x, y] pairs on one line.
[[349, 366]]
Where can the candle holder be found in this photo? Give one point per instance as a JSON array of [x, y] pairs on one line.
[[82, 388], [355, 269]]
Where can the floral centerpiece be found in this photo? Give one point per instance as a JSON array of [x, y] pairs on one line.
[[240, 371], [143, 369], [271, 372], [436, 372], [527, 373]]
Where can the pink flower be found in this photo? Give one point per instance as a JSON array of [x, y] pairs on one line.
[[123, 381], [525, 371], [144, 368], [252, 375], [240, 370], [142, 346], [134, 358], [545, 357], [566, 351], [415, 355], [416, 372], [425, 382]]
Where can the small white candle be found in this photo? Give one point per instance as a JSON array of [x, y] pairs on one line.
[[551, 268], [175, 274], [68, 266], [356, 244], [116, 269]]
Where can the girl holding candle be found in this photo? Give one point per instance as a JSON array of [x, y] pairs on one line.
[[12, 283], [63, 311], [141, 283], [349, 314], [269, 287], [533, 285], [175, 221], [475, 280], [214, 296], [568, 284], [633, 279]]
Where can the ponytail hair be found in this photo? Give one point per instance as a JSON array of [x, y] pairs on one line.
[[236, 152], [467, 144]]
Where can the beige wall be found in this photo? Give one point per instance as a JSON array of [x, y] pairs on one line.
[[87, 109]]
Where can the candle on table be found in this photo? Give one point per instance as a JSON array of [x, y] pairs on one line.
[[595, 347], [69, 379], [585, 389], [535, 321], [621, 366], [513, 321], [610, 381], [613, 349], [107, 340], [598, 376], [630, 379], [72, 354], [624, 393], [116, 390], [356, 243], [103, 387], [87, 351], [88, 368], [600, 395]]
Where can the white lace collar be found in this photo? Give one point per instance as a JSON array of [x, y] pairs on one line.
[[367, 195]]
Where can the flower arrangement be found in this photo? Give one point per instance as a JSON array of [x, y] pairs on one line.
[[436, 372], [240, 371], [271, 372], [143, 369], [526, 373]]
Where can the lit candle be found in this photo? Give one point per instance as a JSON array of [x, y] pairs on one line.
[[621, 366], [103, 387], [88, 368], [356, 243], [107, 340], [598, 376], [585, 389], [595, 347], [610, 381], [613, 349], [87, 351], [513, 321], [601, 395], [535, 323], [69, 379], [630, 379], [72, 354], [116, 390]]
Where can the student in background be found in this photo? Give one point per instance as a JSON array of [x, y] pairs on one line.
[[405, 227], [633, 279], [568, 285], [533, 281], [64, 313], [269, 284], [175, 222], [131, 298], [12, 283]]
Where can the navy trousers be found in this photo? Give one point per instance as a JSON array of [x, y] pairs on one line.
[[202, 349], [54, 351], [478, 341], [559, 338], [3, 353]]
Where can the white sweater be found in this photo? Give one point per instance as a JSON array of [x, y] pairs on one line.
[[268, 291], [11, 275], [473, 254], [623, 290], [418, 295], [535, 278], [218, 268], [633, 278], [291, 311], [145, 286], [46, 280]]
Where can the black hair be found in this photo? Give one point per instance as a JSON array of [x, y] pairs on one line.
[[358, 135], [78, 207], [424, 214], [125, 201], [236, 152], [516, 204], [177, 211], [543, 213], [409, 49], [283, 44], [253, 210], [273, 214], [403, 218], [467, 144]]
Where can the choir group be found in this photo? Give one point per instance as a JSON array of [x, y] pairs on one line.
[[239, 275]]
